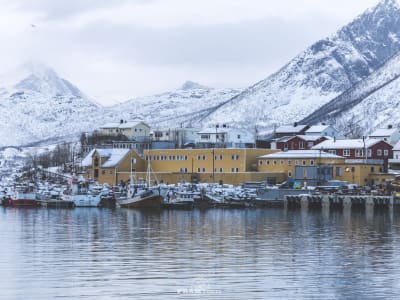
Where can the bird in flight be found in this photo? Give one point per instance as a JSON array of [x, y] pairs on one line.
[[33, 25]]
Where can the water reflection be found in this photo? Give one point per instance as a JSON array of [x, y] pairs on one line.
[[208, 254]]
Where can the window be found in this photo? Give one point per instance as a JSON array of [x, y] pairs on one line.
[[359, 152], [289, 173], [221, 170], [267, 161], [301, 145], [311, 162], [282, 162], [379, 152], [110, 172], [296, 162], [260, 162], [198, 170], [386, 152], [369, 152], [372, 169], [346, 152], [204, 170], [274, 162], [103, 172], [304, 163], [332, 152], [289, 162], [338, 171], [205, 136]]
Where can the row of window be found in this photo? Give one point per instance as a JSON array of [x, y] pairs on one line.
[[185, 157], [167, 157], [220, 170], [361, 153], [289, 162]]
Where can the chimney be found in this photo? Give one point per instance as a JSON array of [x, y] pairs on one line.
[[121, 121], [390, 126]]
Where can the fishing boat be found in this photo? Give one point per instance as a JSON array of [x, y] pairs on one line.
[[82, 193], [142, 194], [23, 196]]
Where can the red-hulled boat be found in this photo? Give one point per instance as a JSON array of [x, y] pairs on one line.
[[23, 196]]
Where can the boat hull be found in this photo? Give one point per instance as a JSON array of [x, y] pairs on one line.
[[153, 201], [22, 202]]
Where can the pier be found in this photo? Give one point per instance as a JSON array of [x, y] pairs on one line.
[[338, 201]]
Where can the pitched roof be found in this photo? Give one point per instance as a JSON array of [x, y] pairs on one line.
[[87, 161], [290, 128], [114, 157], [317, 128], [346, 144], [384, 132], [300, 154]]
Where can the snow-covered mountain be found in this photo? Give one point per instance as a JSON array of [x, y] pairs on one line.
[[36, 104], [185, 106], [371, 103], [350, 77], [320, 73]]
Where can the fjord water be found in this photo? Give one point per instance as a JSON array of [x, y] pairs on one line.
[[91, 253]]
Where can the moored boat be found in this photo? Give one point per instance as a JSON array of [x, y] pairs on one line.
[[23, 196]]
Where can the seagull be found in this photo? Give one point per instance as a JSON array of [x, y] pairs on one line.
[[33, 25]]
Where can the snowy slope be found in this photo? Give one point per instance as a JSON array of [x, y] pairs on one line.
[[373, 103], [40, 105], [184, 106], [320, 73]]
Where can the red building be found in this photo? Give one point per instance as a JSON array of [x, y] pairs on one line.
[[298, 142], [357, 149]]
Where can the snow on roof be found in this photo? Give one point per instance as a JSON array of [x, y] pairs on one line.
[[346, 144], [110, 125], [317, 128], [131, 124], [301, 154], [115, 156], [87, 161], [383, 132], [397, 146], [290, 128], [310, 138], [213, 130]]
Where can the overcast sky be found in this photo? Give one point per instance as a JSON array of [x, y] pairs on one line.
[[114, 50]]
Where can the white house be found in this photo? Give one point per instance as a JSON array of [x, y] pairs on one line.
[[324, 130], [179, 136], [389, 135], [226, 137], [134, 129]]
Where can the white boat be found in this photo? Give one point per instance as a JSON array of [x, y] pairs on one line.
[[82, 194]]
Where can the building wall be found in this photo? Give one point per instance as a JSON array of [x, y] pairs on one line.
[[288, 165], [201, 160], [298, 143], [373, 154], [115, 174], [139, 130]]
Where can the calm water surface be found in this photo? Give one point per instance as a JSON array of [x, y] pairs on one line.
[[213, 254]]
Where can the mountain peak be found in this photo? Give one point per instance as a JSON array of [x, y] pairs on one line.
[[190, 85], [36, 77]]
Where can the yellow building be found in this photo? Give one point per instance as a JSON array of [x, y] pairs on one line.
[[315, 167], [173, 165], [308, 166], [112, 165]]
